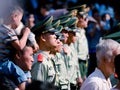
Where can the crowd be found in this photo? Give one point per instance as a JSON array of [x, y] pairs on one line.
[[73, 48]]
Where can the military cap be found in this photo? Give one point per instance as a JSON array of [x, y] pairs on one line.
[[73, 13], [44, 26], [72, 25], [56, 23], [64, 20], [115, 35], [83, 12], [59, 28]]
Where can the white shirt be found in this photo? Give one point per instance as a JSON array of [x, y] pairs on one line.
[[96, 81]]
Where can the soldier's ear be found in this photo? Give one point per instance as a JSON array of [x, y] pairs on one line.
[[43, 37]]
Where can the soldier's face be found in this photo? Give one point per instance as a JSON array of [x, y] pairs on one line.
[[59, 46], [82, 22], [65, 34], [51, 40], [72, 37]]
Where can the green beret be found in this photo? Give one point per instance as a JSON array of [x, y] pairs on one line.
[[44, 26]]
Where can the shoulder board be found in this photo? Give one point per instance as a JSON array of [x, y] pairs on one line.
[[40, 57]]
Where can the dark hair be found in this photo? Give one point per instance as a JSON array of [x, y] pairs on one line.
[[14, 51], [117, 65], [39, 85], [28, 44]]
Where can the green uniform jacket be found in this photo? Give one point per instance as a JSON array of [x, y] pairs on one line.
[[44, 70], [61, 71]]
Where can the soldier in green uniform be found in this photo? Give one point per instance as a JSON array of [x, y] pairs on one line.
[[44, 68], [72, 60], [81, 44], [60, 62]]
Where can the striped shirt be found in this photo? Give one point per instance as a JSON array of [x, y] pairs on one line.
[[7, 35]]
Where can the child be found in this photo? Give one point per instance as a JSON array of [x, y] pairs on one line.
[[9, 41]]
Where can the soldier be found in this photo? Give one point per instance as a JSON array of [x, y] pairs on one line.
[[61, 69], [81, 44], [44, 68], [72, 60]]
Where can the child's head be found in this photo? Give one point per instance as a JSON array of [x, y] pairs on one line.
[[13, 16]]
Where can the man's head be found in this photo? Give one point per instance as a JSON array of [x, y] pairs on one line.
[[105, 53], [24, 58], [72, 29], [45, 34]]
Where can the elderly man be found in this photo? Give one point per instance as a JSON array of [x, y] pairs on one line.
[[99, 79]]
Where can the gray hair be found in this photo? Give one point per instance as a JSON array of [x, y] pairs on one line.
[[105, 49]]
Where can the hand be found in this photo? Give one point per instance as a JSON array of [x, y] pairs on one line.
[[79, 82], [26, 30], [36, 47]]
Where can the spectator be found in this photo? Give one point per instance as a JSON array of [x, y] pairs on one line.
[[94, 32], [10, 41], [81, 44], [24, 60], [30, 22], [105, 53]]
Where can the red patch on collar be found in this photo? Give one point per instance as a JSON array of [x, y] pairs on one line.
[[40, 57], [115, 75]]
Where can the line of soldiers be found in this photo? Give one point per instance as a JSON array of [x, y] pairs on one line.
[[63, 49]]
